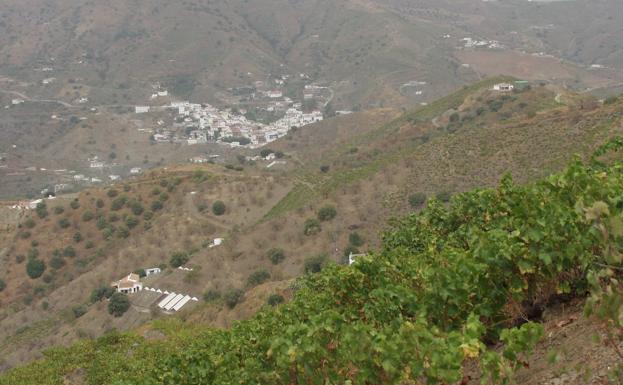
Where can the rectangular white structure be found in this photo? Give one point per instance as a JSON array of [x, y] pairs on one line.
[[166, 300], [181, 303], [174, 301]]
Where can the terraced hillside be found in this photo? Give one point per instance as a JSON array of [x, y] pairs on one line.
[[341, 184]]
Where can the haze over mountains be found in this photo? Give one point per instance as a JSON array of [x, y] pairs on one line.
[[239, 145]]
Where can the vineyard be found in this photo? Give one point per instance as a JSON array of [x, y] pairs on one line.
[[453, 285]]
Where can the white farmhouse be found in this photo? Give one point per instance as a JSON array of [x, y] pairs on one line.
[[141, 109], [128, 285]]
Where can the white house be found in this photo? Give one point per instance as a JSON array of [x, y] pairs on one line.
[[152, 271], [135, 170], [141, 109], [503, 87], [128, 285]]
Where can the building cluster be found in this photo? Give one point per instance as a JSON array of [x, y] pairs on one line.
[[469, 42]]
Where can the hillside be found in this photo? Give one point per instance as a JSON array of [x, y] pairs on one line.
[[454, 291], [368, 169]]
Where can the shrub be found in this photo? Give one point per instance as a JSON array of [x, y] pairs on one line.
[[63, 223], [155, 191], [212, 295], [87, 216], [218, 208], [276, 256], [24, 234], [41, 210], [315, 264], [89, 244], [112, 193], [275, 299], [123, 232], [19, 258], [100, 293], [137, 208], [265, 152], [69, 251], [58, 210], [163, 197], [32, 253], [258, 277], [232, 297], [417, 200], [78, 237], [35, 268], [118, 203], [113, 217], [141, 273], [78, 311], [156, 205], [57, 262], [355, 239], [178, 259], [611, 100], [118, 305], [2, 285], [131, 222], [75, 204], [444, 196], [324, 169], [327, 213], [45, 305], [29, 223], [311, 227], [148, 215], [99, 203], [101, 223]]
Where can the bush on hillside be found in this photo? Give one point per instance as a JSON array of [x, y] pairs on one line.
[[218, 208], [118, 203], [112, 193], [100, 293], [75, 204], [258, 277], [275, 299], [41, 210], [35, 268], [69, 251], [88, 216], [78, 311], [311, 227], [2, 285], [58, 210], [156, 205], [327, 213], [212, 295], [77, 237], [355, 239], [100, 203], [324, 169], [131, 222], [232, 297], [64, 223], [417, 200], [444, 196], [118, 305], [178, 259], [276, 256], [314, 264], [29, 223], [57, 262], [137, 208]]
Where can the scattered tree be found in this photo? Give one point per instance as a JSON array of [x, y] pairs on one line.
[[315, 264], [101, 292], [35, 268], [41, 210], [232, 297], [312, 227], [327, 213], [178, 259], [118, 305], [218, 208], [75, 204], [276, 256], [355, 239], [258, 277], [212, 295], [275, 299]]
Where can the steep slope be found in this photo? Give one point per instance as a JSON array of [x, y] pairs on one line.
[[373, 172], [450, 293]]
